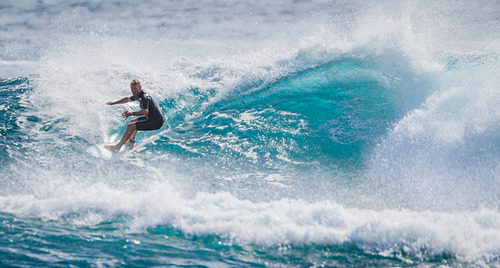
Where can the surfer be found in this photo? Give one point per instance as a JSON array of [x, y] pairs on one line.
[[150, 116]]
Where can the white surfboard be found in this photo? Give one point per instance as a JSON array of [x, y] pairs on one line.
[[99, 151]]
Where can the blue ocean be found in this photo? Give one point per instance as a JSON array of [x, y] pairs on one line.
[[297, 134]]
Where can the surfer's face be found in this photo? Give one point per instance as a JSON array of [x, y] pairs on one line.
[[136, 89]]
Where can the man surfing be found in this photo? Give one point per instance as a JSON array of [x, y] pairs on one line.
[[150, 118]]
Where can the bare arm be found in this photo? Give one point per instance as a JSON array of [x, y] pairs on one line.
[[124, 100]]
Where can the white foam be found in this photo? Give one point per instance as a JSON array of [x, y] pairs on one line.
[[443, 155], [472, 236]]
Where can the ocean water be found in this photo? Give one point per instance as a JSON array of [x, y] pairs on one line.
[[297, 134]]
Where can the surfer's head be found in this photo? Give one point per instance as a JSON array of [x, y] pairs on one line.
[[135, 87]]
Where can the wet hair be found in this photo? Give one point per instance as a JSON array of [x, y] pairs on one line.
[[135, 82]]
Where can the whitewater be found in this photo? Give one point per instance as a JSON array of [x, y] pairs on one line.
[[297, 134]]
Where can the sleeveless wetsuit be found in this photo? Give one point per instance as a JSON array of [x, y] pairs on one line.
[[154, 119]]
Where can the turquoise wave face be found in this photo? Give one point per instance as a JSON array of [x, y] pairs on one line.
[[332, 113]]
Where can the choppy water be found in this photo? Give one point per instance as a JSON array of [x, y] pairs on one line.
[[298, 133]]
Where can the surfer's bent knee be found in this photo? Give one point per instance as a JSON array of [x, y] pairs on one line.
[[131, 126]]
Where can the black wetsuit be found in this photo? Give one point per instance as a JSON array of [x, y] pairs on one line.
[[154, 119]]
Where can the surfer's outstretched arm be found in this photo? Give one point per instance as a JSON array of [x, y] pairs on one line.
[[124, 100]]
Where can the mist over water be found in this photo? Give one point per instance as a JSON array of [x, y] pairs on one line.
[[318, 127]]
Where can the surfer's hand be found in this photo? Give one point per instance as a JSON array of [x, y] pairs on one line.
[[109, 103], [126, 114]]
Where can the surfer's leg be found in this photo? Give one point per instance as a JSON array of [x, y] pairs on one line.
[[131, 129], [131, 140]]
